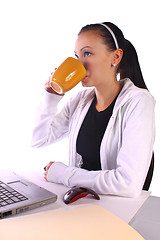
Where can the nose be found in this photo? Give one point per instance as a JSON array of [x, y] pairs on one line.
[[80, 59], [83, 62]]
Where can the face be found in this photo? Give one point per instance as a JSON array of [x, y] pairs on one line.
[[93, 54]]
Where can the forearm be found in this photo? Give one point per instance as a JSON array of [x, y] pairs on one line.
[[43, 132], [113, 182]]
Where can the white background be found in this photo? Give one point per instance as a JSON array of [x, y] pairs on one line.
[[35, 37]]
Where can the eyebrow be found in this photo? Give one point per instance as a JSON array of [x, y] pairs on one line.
[[83, 48]]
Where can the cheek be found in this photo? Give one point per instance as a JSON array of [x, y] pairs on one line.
[[90, 65]]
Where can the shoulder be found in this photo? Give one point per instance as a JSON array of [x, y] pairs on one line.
[[135, 101], [132, 95]]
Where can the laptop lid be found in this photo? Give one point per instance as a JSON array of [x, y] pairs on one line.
[[18, 195]]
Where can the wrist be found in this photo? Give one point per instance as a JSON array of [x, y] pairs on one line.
[[55, 172]]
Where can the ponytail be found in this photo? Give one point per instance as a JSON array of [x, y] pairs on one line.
[[129, 66]]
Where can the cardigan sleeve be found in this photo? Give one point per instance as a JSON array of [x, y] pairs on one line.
[[133, 158], [50, 124], [53, 122]]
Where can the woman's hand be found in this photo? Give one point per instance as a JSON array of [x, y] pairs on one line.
[[47, 85], [46, 168]]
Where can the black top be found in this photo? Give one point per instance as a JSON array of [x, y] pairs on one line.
[[91, 134]]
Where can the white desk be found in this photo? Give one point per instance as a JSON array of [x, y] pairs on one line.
[[124, 208], [142, 213]]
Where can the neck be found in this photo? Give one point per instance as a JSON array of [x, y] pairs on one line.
[[106, 94]]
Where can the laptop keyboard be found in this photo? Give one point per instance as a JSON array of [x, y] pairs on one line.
[[9, 196]]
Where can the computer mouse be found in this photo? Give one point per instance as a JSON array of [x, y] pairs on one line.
[[78, 192]]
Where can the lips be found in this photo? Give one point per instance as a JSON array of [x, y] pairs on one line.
[[83, 80]]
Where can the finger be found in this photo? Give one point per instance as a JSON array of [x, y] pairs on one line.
[[47, 84], [46, 168], [49, 165], [45, 175]]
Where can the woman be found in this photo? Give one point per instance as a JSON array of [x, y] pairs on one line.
[[110, 126]]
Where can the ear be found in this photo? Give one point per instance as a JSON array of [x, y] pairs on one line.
[[117, 56]]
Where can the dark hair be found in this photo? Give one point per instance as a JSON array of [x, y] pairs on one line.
[[129, 66]]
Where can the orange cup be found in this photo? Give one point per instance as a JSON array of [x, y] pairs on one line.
[[68, 75]]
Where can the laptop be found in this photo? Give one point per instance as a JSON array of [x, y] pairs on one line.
[[18, 195]]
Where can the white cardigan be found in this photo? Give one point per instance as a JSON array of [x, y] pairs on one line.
[[126, 147]]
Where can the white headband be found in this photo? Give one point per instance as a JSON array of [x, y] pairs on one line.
[[111, 32]]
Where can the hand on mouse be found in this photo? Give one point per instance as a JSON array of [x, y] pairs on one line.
[[46, 168]]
